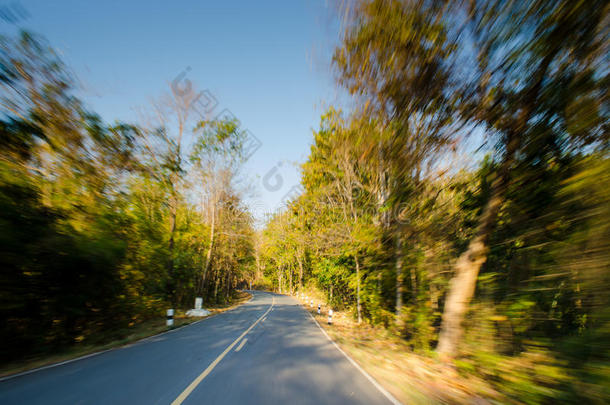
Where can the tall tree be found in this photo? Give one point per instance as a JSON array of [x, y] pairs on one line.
[[397, 56], [530, 54], [217, 155]]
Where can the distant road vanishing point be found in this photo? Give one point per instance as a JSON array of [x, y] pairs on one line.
[[267, 351]]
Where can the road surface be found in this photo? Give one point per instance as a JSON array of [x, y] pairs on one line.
[[267, 351]]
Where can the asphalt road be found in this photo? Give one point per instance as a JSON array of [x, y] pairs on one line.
[[286, 359]]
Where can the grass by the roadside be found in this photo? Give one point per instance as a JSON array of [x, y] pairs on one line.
[[411, 378], [133, 334]]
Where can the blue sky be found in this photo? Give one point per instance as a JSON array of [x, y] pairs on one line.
[[268, 62]]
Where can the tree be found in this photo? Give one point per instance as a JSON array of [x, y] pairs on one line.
[[397, 56], [217, 156], [529, 54], [98, 219]]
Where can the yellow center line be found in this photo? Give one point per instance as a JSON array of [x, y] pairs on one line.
[[243, 342], [218, 359]]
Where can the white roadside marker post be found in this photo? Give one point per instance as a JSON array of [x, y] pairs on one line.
[[311, 304], [330, 316], [319, 309], [170, 317]]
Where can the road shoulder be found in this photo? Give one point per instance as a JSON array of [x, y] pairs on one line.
[[140, 333]]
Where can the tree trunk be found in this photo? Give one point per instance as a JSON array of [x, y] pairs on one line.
[[300, 261], [433, 297], [258, 265], [398, 274], [216, 286], [171, 287], [413, 272], [228, 288], [358, 289], [462, 286], [208, 257]]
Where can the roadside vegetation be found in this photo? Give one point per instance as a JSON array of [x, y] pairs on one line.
[[458, 212], [106, 225], [462, 204]]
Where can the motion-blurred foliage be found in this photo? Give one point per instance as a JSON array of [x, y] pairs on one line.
[[502, 269], [97, 228]]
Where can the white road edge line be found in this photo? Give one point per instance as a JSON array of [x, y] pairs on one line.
[[243, 342], [389, 396], [218, 359], [125, 346], [61, 363]]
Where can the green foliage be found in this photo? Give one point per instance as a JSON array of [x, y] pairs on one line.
[[101, 228], [385, 214], [96, 224]]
